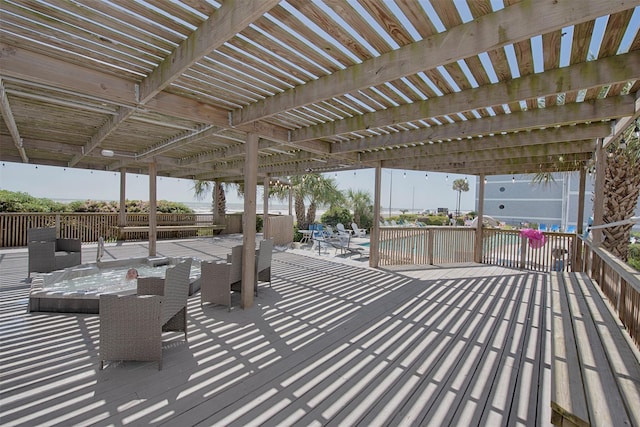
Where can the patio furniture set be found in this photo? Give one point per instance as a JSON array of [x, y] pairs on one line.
[[340, 239], [131, 326]]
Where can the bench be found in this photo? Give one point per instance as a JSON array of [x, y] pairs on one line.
[[595, 367], [159, 228]]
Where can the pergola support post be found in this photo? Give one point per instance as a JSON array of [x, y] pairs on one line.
[[374, 238], [477, 250], [266, 232], [122, 213], [153, 208], [249, 220]]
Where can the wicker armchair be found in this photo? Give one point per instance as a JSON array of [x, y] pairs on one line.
[[48, 253], [131, 326], [263, 261], [219, 279]]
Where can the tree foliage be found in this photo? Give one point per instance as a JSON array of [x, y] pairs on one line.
[[337, 215], [460, 185], [362, 206], [11, 201], [313, 190]]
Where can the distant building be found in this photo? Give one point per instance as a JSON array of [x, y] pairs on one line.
[[516, 200]]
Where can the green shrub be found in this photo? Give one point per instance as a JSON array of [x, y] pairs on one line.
[[337, 215], [13, 201], [634, 256], [297, 235], [259, 223]]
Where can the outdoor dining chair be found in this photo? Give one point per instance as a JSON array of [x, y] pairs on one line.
[[131, 326]]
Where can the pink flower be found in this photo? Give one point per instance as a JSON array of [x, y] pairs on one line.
[[536, 237]]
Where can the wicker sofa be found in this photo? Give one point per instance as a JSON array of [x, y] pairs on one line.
[[48, 253], [131, 326]]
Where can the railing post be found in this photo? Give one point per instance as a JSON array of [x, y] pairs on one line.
[[431, 244], [523, 251]]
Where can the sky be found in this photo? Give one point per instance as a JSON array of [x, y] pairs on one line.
[[414, 192]]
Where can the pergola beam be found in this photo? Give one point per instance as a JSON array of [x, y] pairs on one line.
[[520, 165], [605, 71], [556, 150], [102, 133], [230, 19], [522, 141], [603, 109], [10, 122], [514, 23], [57, 74]]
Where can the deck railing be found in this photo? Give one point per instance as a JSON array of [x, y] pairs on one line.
[[450, 245], [425, 245], [88, 227], [508, 248], [618, 282]]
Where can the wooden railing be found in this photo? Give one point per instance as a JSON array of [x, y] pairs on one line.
[[619, 283], [508, 248], [88, 227], [425, 245], [449, 245]]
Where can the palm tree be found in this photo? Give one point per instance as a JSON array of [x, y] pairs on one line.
[[621, 191], [315, 189], [361, 204], [460, 185], [201, 188]]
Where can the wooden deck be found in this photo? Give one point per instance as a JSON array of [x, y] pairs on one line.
[[332, 342]]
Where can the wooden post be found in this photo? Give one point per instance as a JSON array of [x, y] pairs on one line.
[[581, 194], [577, 261], [122, 213], [374, 235], [153, 207], [598, 199], [249, 220], [290, 200], [477, 250], [266, 230]]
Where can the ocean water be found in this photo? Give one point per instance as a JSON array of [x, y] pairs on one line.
[[205, 207]]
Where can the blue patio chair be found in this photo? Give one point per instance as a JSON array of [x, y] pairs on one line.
[[555, 228], [571, 229], [542, 227]]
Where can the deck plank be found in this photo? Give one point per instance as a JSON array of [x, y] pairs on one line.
[[331, 342]]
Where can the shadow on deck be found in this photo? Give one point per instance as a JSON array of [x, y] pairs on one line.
[[330, 343]]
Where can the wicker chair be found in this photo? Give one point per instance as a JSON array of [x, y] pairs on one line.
[[218, 280], [263, 266], [263, 262], [47, 253], [131, 326], [217, 277]]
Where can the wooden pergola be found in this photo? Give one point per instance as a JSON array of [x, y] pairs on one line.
[[247, 89]]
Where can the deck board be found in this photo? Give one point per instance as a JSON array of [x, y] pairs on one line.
[[331, 342]]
